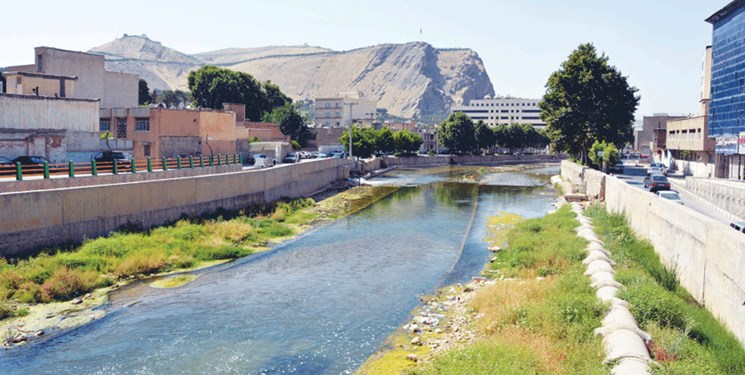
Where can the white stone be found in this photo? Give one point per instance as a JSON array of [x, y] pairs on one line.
[[599, 266], [631, 366], [606, 293], [597, 255], [624, 344]]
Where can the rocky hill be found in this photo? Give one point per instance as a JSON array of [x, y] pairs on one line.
[[413, 80]]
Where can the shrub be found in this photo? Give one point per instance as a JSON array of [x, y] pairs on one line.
[[652, 303], [222, 252], [141, 263], [66, 283]]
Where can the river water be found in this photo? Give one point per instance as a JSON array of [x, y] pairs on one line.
[[320, 304]]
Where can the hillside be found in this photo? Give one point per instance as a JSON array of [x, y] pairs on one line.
[[413, 80]]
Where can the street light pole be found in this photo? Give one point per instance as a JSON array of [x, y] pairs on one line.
[[351, 127]]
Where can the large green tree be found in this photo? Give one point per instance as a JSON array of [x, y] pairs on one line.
[[458, 134], [212, 86], [363, 141], [485, 136], [384, 141], [143, 93], [291, 123], [406, 142], [586, 100]]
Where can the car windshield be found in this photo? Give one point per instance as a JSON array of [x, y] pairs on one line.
[[659, 178], [670, 196]]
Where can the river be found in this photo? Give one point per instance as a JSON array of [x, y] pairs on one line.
[[319, 304]]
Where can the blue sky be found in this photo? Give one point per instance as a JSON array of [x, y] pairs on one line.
[[658, 44]]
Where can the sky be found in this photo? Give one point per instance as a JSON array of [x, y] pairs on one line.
[[657, 44]]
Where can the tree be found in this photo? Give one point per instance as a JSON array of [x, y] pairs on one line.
[[603, 154], [363, 141], [406, 142], [587, 99], [290, 123], [384, 141], [174, 99], [143, 94], [457, 133], [212, 86], [485, 137]]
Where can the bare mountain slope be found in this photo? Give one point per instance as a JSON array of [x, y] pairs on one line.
[[412, 80]]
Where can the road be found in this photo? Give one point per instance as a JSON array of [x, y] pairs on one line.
[[634, 176]]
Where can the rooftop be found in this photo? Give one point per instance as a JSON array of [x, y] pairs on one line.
[[726, 11]]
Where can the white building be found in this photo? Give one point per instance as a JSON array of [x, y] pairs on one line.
[[334, 112], [503, 110]]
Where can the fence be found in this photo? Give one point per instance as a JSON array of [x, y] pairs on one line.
[[94, 168]]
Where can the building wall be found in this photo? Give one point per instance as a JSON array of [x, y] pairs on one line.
[[48, 85], [49, 143], [727, 89], [333, 112], [653, 129], [503, 111], [89, 68], [689, 134], [40, 112], [50, 217], [121, 90]]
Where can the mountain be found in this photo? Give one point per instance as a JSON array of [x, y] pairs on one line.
[[413, 80]]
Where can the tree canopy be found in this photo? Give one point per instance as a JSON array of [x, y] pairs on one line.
[[173, 99], [143, 93], [368, 141], [212, 86], [458, 134], [291, 123], [586, 100], [406, 142]]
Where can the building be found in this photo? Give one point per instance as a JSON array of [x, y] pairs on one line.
[[343, 109], [689, 138], [652, 137], [59, 129], [169, 132], [503, 110], [727, 107], [92, 80]]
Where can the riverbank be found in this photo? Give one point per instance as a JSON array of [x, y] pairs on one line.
[[57, 290], [535, 313]]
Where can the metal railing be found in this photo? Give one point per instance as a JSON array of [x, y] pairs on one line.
[[73, 169]]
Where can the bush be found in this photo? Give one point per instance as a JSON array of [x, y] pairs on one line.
[[66, 283], [141, 263], [652, 303]]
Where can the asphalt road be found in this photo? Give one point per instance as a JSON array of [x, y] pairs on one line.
[[634, 176]]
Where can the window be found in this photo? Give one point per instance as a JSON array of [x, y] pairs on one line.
[[121, 127], [146, 149], [104, 125], [39, 65], [142, 124]]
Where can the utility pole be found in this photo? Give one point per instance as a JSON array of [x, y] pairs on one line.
[[351, 127]]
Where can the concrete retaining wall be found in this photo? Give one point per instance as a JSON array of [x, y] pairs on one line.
[[36, 219], [695, 169], [706, 255], [421, 161], [583, 179], [728, 195]]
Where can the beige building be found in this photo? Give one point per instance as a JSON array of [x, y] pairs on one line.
[[92, 80], [503, 110], [688, 138], [30, 83], [343, 109], [59, 129]]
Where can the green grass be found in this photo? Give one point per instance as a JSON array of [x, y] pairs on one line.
[[541, 322], [62, 275], [688, 339]]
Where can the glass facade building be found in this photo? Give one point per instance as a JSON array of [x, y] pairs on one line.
[[727, 106]]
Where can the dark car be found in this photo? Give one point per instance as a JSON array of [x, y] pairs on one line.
[[30, 160], [616, 168], [291, 158], [5, 161], [110, 157], [656, 182]]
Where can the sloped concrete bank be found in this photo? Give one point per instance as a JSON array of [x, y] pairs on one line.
[[35, 219], [625, 342], [707, 256]]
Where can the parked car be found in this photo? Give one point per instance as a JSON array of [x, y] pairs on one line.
[[322, 155], [656, 182], [262, 161], [738, 226], [671, 195], [657, 168], [5, 161], [339, 154], [291, 158], [616, 168], [29, 160], [111, 156]]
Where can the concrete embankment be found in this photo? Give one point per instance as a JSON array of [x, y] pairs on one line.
[[707, 256], [34, 219]]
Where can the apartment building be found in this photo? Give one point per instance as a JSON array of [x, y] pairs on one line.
[[342, 110], [503, 110]]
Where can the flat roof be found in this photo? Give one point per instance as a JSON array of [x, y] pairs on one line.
[[40, 75], [41, 97], [726, 11]]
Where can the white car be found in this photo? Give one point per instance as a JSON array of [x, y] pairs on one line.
[[657, 168], [262, 161], [671, 195]]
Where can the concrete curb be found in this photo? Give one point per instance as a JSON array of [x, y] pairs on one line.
[[625, 343]]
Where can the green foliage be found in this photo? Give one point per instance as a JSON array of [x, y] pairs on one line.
[[384, 141], [485, 358], [295, 145], [603, 155], [698, 341], [291, 123], [485, 136], [211, 86], [406, 142], [174, 99], [588, 99], [458, 134], [143, 93]]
